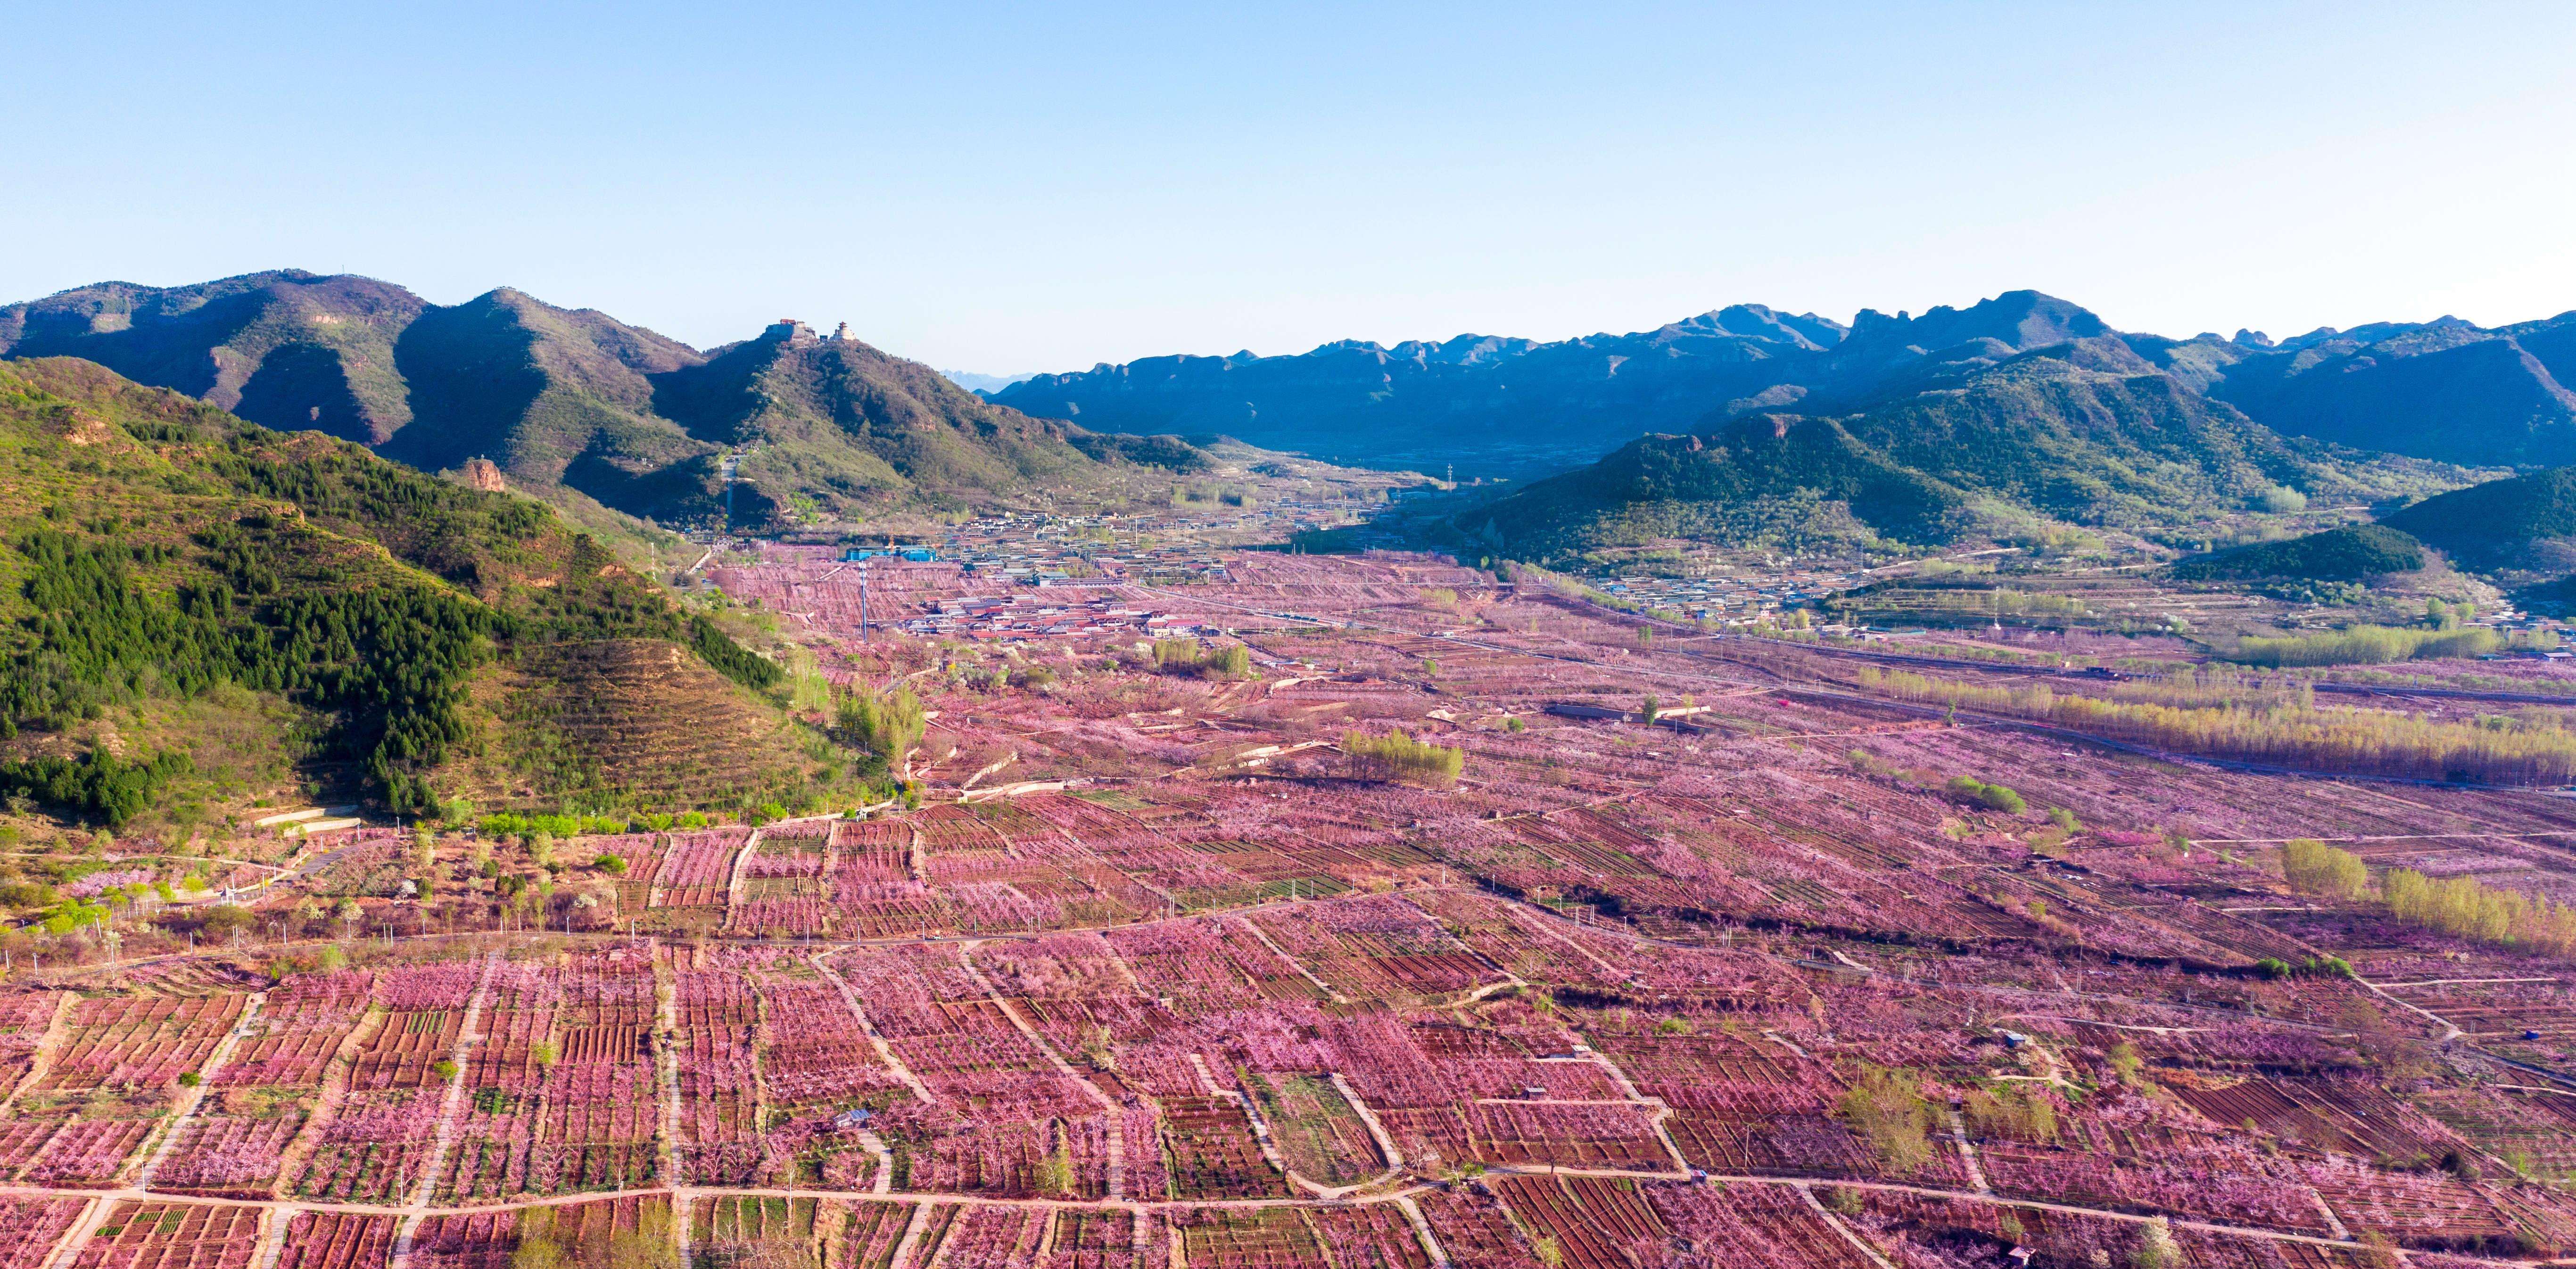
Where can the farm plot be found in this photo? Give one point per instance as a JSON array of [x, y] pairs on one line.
[[1248, 1238], [1485, 1062], [235, 1144], [877, 850], [24, 1018], [2341, 1116], [1316, 1130], [1759, 1226], [479, 1240], [1209, 1152], [1475, 1230], [816, 1061], [150, 1235], [1093, 1238], [1374, 946], [30, 1226], [1586, 1134], [720, 1106], [338, 1240], [562, 1094], [139, 1040], [697, 868], [1372, 1236], [82, 1139], [268, 1088], [1206, 965], [733, 1229], [863, 1235], [991, 1237], [2411, 1209], [372, 1148], [1588, 1222], [2233, 1183], [787, 883], [643, 855], [2535, 1128], [630, 1229], [1002, 1108]]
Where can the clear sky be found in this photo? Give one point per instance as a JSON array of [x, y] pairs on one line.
[[1006, 188]]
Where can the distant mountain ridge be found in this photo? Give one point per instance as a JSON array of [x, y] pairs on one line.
[[1507, 401], [2444, 390], [574, 398]]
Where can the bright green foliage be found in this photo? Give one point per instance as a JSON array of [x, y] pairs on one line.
[[97, 783], [2365, 645], [2312, 867], [2358, 741], [1993, 797], [1397, 756], [886, 728], [2346, 554], [1224, 661], [2465, 907], [729, 658], [1886, 1108], [551, 826]]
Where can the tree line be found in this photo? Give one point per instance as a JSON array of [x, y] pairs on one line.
[[2360, 741]]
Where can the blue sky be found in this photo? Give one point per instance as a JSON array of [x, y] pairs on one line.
[[1005, 188]]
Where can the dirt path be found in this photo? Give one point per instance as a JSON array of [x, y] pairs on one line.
[[196, 1096], [454, 1101]]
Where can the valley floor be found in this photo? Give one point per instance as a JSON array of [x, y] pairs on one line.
[[1160, 975]]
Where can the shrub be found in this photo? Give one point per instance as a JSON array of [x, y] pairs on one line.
[[613, 865], [1885, 1107], [2010, 1113], [1993, 797], [2312, 867], [886, 728], [1186, 656], [1397, 756]]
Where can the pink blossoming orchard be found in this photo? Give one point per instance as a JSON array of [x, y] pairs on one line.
[[1646, 947]]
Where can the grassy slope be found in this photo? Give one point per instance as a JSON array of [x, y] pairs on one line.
[[109, 464]]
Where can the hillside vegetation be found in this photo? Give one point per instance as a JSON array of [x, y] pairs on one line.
[[2522, 523], [243, 613], [579, 407], [2003, 452], [2346, 554]]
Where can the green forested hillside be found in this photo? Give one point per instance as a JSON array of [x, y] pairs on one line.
[[238, 612], [2001, 452], [2347, 554], [2526, 523]]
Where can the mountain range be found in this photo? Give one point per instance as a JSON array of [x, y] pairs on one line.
[[574, 399], [2013, 418], [2444, 390]]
